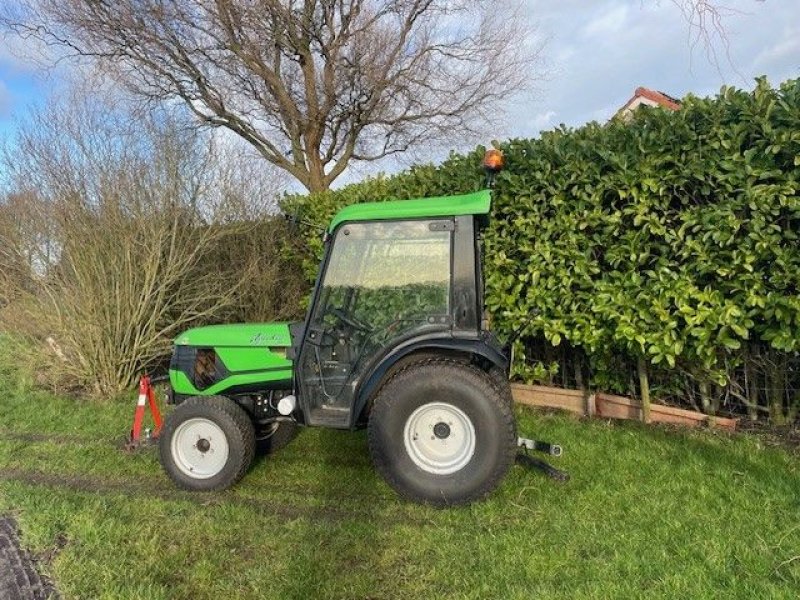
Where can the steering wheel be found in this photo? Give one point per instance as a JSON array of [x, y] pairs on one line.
[[348, 320]]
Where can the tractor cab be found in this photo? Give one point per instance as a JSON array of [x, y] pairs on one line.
[[397, 277]]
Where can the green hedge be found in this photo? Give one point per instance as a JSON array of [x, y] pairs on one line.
[[673, 236]]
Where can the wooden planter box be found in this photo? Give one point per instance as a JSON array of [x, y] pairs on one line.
[[609, 406], [549, 397], [621, 407]]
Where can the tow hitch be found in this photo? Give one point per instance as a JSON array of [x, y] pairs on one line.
[[147, 397], [524, 459]]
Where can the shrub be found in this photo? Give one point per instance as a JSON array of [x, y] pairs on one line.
[[125, 233], [673, 237]]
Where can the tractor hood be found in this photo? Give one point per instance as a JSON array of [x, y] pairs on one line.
[[239, 334]]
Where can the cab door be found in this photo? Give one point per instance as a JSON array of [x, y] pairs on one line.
[[384, 281]]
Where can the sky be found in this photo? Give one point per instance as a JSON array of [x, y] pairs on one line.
[[599, 52], [596, 54]]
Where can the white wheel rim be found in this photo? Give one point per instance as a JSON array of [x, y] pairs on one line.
[[199, 448], [439, 438]]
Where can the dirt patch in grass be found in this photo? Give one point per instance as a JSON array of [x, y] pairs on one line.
[[121, 443], [19, 436], [19, 577], [98, 485], [786, 436]]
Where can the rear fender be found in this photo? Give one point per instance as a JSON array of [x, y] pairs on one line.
[[480, 351]]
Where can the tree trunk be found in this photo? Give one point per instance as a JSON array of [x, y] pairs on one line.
[[577, 364], [644, 386], [549, 359], [316, 181], [705, 397], [777, 391], [751, 383], [579, 382]]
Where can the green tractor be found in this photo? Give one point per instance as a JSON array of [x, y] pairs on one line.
[[394, 340]]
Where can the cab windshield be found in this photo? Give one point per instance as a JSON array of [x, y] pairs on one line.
[[384, 281]]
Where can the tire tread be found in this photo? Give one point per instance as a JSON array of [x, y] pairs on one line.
[[245, 430], [383, 403]]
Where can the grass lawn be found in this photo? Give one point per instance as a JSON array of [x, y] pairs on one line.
[[649, 513]]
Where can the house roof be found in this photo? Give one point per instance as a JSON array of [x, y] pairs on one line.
[[643, 95]]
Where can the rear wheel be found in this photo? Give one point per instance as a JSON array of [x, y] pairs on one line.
[[500, 379], [207, 443], [442, 432]]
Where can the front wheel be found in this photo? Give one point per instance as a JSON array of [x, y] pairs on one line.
[[442, 432], [207, 443]]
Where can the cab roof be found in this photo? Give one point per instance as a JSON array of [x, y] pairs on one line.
[[477, 203]]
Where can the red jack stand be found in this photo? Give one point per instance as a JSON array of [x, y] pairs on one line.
[[146, 394]]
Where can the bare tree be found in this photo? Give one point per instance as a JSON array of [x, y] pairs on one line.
[[312, 84], [706, 21]]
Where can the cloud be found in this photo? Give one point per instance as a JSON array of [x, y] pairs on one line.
[[610, 22], [786, 49], [542, 121]]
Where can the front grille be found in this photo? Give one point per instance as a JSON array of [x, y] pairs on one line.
[[205, 368], [201, 366]]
